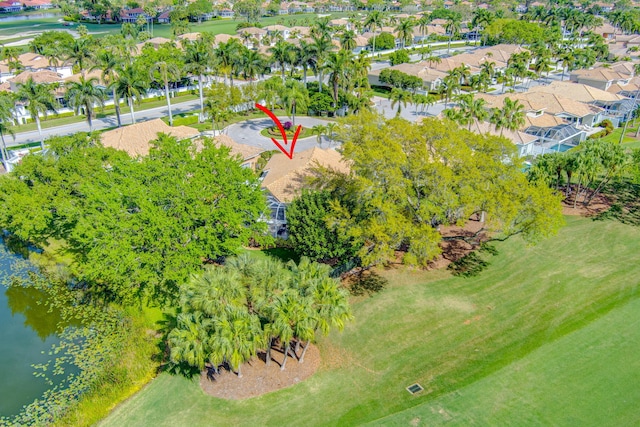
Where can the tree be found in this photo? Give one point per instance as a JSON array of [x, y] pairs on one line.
[[109, 62], [197, 59], [399, 57], [283, 53], [84, 95], [318, 131], [386, 202], [294, 96], [311, 232], [39, 99], [131, 85], [374, 20], [80, 53], [399, 97], [348, 40], [229, 313], [384, 41], [6, 114], [321, 46], [452, 27], [337, 66], [164, 71], [136, 228], [404, 30]]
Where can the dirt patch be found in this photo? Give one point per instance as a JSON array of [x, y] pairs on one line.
[[258, 378], [599, 204], [453, 250]]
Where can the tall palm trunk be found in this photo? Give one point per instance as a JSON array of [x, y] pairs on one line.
[[88, 113], [304, 351], [166, 94], [239, 371], [201, 98], [286, 356], [37, 117], [116, 103], [268, 355], [4, 153], [130, 101]]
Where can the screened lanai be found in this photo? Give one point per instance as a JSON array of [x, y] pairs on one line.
[[618, 111], [556, 138], [278, 219]]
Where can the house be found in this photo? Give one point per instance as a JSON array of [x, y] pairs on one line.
[[226, 13], [524, 142], [247, 154], [136, 139], [164, 17], [284, 178], [131, 15], [600, 78], [37, 4], [42, 76], [10, 6], [273, 30], [615, 107], [431, 78]]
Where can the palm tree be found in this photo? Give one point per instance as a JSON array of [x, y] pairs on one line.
[[423, 26], [189, 341], [322, 46], [319, 131], [5, 128], [238, 335], [510, 117], [305, 58], [217, 114], [83, 95], [7, 105], [293, 96], [197, 59], [164, 71], [252, 64], [130, 86], [452, 27], [405, 31], [400, 97], [337, 66], [283, 53], [80, 53], [228, 56], [331, 131], [39, 99], [109, 63], [348, 40], [374, 19]]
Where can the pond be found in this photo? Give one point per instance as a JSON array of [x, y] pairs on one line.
[[35, 16], [27, 332]]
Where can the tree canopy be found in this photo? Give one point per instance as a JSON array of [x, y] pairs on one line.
[[408, 179], [133, 227]]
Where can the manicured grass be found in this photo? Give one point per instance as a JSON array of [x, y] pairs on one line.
[[451, 333], [304, 133], [587, 378]]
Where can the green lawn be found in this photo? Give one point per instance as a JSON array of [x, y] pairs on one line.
[[462, 337], [216, 26], [577, 380]]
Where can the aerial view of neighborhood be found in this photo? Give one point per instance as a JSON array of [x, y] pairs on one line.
[[331, 212]]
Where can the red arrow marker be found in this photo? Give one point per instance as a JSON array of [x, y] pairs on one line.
[[288, 153]]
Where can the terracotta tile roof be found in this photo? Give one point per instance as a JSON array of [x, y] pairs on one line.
[[33, 60], [600, 74], [245, 151], [88, 75], [276, 28], [285, 177], [42, 76], [549, 103], [517, 137], [135, 139], [577, 92], [252, 31]]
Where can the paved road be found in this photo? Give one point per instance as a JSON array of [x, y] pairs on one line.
[[108, 122]]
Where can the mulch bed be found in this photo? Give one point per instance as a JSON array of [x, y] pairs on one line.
[[258, 378]]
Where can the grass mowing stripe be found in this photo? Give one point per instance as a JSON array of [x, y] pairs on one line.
[[587, 378]]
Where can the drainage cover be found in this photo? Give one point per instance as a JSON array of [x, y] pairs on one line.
[[414, 388]]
